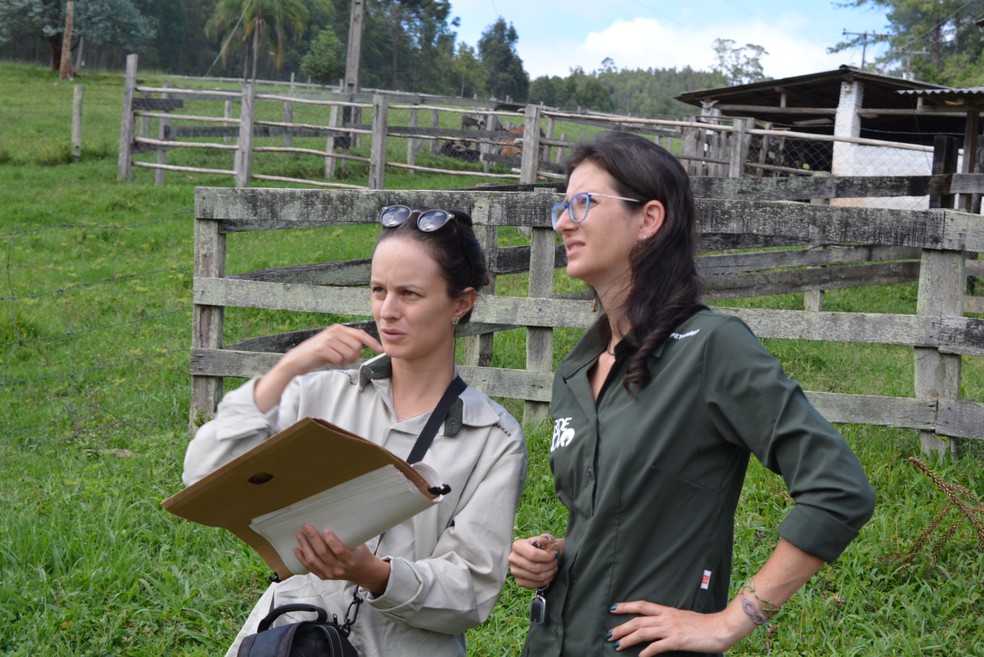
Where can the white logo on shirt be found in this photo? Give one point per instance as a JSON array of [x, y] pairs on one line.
[[563, 434], [681, 336]]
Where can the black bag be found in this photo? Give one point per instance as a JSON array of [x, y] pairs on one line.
[[317, 638]]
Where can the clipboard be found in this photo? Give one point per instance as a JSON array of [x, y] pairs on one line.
[[313, 471]]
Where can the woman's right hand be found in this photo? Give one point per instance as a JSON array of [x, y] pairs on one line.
[[534, 561], [337, 346]]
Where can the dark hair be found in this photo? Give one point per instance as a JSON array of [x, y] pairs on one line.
[[455, 249], [665, 285]]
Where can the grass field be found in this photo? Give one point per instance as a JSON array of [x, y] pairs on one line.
[[95, 327]]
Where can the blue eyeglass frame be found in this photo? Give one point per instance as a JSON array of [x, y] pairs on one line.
[[428, 221], [560, 206]]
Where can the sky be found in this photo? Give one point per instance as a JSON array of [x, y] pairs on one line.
[[556, 36]]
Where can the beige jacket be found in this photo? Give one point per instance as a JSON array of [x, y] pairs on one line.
[[449, 562]]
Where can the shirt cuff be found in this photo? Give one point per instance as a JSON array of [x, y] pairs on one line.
[[403, 586], [815, 531]]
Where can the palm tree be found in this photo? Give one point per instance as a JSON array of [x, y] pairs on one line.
[[252, 22]]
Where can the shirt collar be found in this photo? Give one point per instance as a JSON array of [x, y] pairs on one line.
[[472, 408]]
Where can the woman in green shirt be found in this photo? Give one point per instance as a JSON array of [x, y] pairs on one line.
[[656, 412]]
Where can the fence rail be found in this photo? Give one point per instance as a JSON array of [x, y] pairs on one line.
[[826, 247], [493, 141]]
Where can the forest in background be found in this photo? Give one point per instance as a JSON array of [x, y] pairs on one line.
[[412, 45]]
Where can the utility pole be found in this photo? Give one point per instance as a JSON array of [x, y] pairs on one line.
[[864, 41], [354, 47]]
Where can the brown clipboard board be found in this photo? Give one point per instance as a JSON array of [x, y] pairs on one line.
[[307, 458]]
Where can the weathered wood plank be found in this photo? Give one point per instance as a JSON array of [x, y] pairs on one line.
[[343, 273], [271, 208], [899, 412], [496, 382], [181, 131], [821, 224], [816, 187], [736, 223], [963, 419], [158, 104], [282, 296], [730, 263], [731, 286], [207, 320]]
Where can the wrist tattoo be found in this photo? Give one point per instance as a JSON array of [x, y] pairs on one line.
[[768, 608], [752, 611]]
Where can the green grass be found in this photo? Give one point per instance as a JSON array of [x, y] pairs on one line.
[[95, 326]]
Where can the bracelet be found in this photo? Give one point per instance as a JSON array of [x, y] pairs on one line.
[[768, 608], [752, 611]]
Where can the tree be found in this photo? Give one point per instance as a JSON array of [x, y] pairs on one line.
[[409, 45], [109, 23], [931, 40], [739, 65], [497, 51], [250, 23], [325, 60], [469, 74]]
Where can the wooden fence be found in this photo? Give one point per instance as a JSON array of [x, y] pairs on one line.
[[824, 247], [510, 143]]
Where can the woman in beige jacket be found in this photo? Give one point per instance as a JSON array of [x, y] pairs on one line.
[[430, 578]]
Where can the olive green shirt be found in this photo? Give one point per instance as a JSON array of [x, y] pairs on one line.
[[652, 482]]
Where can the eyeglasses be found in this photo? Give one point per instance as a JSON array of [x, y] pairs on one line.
[[427, 220], [577, 208]]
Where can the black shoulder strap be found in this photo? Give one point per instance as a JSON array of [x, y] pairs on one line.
[[456, 387]]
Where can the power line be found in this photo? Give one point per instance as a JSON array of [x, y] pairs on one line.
[[864, 40]]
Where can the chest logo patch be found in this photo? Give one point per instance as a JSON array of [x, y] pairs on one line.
[[563, 433]]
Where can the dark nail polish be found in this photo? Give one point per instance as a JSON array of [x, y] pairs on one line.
[[608, 636], [615, 645], [612, 608]]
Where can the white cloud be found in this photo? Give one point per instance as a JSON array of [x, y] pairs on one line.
[[643, 43]]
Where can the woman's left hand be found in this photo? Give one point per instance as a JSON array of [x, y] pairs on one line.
[[666, 628], [324, 554]]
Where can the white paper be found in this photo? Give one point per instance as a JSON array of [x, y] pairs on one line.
[[356, 510]]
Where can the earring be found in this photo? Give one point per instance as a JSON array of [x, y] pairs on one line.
[[454, 321]]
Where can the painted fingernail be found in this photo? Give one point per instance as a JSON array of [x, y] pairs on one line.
[[615, 645], [608, 636], [612, 608]]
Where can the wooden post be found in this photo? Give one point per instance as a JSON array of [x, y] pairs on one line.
[[550, 131], [377, 151], [487, 147], [688, 151], [539, 341], [530, 160], [941, 285], [411, 142], [739, 148], [288, 118], [161, 151], [435, 123], [244, 146], [478, 349], [127, 125], [65, 65], [77, 93], [227, 113], [210, 253], [330, 144]]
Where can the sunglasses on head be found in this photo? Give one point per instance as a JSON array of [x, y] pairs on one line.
[[427, 220]]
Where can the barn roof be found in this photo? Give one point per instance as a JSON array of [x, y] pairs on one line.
[[893, 108]]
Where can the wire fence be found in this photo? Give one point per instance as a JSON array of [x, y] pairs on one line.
[[91, 339]]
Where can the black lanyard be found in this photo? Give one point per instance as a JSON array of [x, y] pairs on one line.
[[455, 388]]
